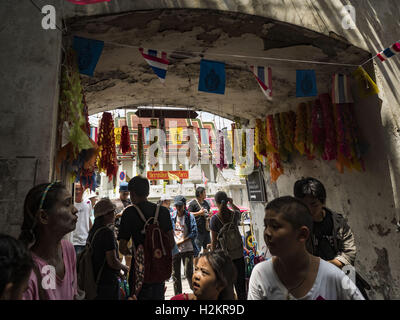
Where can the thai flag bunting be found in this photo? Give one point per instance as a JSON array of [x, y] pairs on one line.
[[94, 133], [264, 79], [389, 52], [157, 61]]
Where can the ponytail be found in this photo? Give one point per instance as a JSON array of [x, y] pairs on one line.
[[225, 213]]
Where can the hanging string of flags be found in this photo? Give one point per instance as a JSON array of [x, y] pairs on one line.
[[212, 77], [157, 60], [389, 52]]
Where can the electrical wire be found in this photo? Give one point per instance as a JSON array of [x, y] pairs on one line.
[[238, 56]]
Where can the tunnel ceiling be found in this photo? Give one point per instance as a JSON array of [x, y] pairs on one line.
[[123, 79]]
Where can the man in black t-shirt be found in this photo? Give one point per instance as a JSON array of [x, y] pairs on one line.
[[200, 209], [132, 225]]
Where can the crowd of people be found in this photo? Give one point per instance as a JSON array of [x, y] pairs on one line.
[[309, 243]]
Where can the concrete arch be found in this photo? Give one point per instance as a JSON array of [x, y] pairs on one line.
[[124, 79]]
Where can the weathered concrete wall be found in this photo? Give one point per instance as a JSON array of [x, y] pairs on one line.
[[30, 67], [29, 64]]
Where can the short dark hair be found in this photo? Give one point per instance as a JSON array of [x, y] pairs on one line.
[[199, 191], [140, 186], [15, 262], [309, 187], [293, 211]]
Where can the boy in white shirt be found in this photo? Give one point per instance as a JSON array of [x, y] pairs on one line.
[[293, 273]]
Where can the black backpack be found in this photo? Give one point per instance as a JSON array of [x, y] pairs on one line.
[[85, 271], [229, 239]]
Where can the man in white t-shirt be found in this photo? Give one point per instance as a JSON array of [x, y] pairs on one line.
[[292, 272], [84, 223]]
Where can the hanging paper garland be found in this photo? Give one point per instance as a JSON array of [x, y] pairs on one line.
[[272, 146], [233, 143], [257, 139], [301, 128], [283, 153], [140, 149], [356, 149], [221, 164], [342, 154], [107, 160], [330, 151], [275, 166], [309, 145], [317, 127], [193, 145], [287, 131], [125, 145], [227, 148]]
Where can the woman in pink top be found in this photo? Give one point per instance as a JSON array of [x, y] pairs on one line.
[[49, 214]]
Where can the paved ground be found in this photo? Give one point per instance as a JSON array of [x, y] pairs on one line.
[[170, 287]]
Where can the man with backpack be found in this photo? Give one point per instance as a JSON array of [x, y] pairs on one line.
[[149, 226], [185, 232], [225, 235]]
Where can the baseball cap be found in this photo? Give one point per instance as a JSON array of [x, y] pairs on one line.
[[123, 187], [103, 207], [180, 201]]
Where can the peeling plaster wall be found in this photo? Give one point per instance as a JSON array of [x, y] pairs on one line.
[[29, 92], [29, 64]]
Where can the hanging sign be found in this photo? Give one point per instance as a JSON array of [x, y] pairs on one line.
[[163, 175], [256, 187], [122, 176]]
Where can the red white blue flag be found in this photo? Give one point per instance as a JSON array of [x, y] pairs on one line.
[[157, 61], [83, 2], [264, 79], [389, 52], [341, 92]]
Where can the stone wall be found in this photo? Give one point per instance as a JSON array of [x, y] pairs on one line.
[[29, 92]]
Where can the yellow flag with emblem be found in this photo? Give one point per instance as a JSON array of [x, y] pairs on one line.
[[176, 135]]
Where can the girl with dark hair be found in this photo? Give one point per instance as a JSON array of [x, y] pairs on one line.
[[213, 278], [223, 217], [15, 268], [49, 214]]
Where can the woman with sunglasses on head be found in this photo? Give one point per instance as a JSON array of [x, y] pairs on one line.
[[49, 215]]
